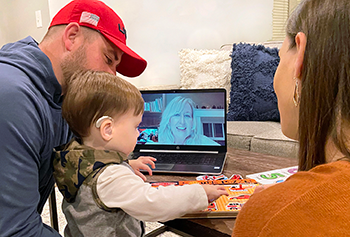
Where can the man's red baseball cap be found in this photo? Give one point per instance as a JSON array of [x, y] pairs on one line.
[[97, 15]]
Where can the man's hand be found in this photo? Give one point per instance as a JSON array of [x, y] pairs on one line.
[[141, 164]]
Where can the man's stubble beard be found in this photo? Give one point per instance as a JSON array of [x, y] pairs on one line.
[[71, 64]]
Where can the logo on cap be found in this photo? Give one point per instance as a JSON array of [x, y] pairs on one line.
[[89, 18], [123, 31]]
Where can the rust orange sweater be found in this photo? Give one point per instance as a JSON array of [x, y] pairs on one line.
[[313, 203]]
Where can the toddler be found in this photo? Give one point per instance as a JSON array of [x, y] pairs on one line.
[[104, 192]]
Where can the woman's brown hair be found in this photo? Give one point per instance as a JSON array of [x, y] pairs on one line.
[[93, 94], [325, 98]]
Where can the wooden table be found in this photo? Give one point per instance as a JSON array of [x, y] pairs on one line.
[[237, 162]]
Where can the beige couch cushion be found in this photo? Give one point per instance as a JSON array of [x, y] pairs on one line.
[[274, 142], [261, 137]]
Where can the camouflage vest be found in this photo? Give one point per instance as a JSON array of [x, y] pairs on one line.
[[75, 163], [77, 168]]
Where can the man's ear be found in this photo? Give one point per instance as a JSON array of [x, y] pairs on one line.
[[300, 40], [106, 130], [71, 34]]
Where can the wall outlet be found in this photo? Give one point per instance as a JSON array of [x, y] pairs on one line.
[[39, 22]]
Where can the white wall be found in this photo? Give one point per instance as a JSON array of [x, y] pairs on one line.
[[158, 29], [18, 19], [4, 23]]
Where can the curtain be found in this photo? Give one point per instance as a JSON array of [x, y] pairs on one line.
[[280, 15], [281, 11]]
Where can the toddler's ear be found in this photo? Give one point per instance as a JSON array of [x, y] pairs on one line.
[[106, 130]]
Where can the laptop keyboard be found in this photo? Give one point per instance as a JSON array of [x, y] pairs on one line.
[[183, 158]]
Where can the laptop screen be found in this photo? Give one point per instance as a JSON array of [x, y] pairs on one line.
[[183, 118]]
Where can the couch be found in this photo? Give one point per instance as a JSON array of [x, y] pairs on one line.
[[216, 68]]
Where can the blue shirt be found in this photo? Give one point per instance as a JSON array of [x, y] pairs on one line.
[[30, 126]]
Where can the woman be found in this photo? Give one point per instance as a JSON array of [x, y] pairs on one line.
[[312, 84], [178, 126]]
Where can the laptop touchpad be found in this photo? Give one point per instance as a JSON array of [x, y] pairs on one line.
[[164, 166]]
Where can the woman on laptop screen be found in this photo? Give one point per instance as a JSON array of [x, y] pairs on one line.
[[178, 125]]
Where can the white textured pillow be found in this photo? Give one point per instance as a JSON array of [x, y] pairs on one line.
[[200, 68]]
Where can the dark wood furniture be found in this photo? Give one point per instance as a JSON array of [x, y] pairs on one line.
[[237, 162], [53, 210]]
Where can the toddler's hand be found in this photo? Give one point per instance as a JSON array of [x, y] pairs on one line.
[[214, 191], [141, 164]]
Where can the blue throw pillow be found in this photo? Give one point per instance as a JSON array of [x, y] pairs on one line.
[[252, 97]]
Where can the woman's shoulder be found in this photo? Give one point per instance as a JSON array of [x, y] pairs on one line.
[[300, 199], [335, 168], [317, 183]]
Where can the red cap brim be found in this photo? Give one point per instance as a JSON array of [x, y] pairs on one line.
[[131, 65]]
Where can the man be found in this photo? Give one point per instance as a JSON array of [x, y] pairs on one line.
[[85, 34]]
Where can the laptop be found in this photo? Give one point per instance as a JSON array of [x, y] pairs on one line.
[[185, 130]]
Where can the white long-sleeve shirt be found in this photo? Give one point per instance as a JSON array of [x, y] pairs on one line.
[[119, 187]]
